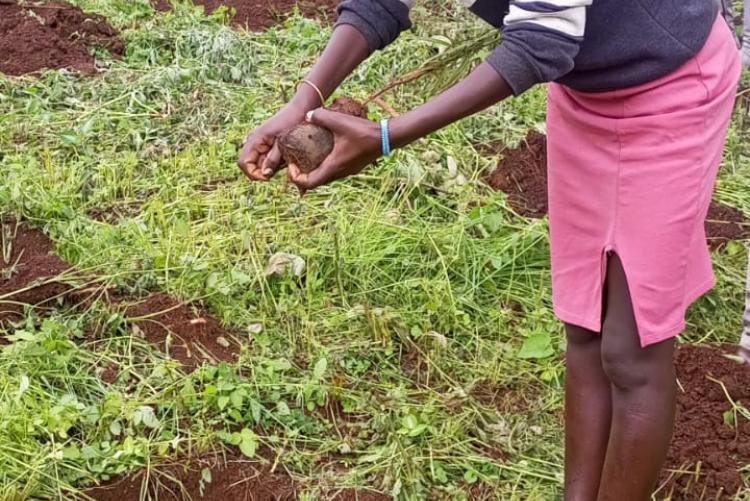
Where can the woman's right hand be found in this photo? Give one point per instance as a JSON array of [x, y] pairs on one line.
[[261, 158]]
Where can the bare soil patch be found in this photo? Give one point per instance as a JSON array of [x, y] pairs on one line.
[[184, 332], [522, 175], [724, 224], [352, 495], [233, 478], [53, 35], [706, 442], [28, 267], [259, 15]]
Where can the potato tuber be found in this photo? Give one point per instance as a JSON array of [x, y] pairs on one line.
[[307, 145]]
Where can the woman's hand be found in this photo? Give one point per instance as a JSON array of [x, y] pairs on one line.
[[357, 144], [260, 158]]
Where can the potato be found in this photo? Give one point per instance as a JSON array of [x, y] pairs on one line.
[[307, 145]]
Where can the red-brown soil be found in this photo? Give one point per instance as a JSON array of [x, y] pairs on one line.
[[352, 495], [26, 259], [522, 175], [232, 479], [188, 335], [725, 224], [703, 442], [54, 35], [259, 15]]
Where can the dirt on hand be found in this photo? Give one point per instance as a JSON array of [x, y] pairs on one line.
[[232, 478], [188, 335], [259, 15], [54, 35], [307, 145], [710, 443], [27, 269], [522, 175]]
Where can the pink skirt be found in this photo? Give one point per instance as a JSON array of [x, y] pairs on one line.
[[632, 172]]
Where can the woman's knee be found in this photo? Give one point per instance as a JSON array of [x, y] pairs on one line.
[[628, 366]]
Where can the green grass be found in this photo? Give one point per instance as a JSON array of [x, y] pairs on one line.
[[412, 296]]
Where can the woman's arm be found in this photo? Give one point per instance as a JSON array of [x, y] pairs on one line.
[[358, 142], [363, 26], [261, 158]]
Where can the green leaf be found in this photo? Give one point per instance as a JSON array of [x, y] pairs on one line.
[[72, 452], [729, 418], [249, 443], [236, 398], [417, 430], [23, 385], [320, 368], [538, 345], [206, 475], [222, 402], [115, 428], [282, 408]]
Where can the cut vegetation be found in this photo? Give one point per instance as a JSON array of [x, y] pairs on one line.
[[169, 331]]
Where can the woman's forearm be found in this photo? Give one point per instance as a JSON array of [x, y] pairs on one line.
[[481, 89], [344, 52]]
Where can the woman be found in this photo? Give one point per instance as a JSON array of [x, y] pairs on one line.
[[637, 120]]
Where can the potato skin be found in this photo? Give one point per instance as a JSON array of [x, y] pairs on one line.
[[307, 145]]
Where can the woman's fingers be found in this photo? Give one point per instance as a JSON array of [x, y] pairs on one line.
[[255, 154], [306, 181], [272, 162], [331, 120]]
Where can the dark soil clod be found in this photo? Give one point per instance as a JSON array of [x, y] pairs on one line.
[[55, 35], [725, 224], [703, 440], [522, 175], [259, 15]]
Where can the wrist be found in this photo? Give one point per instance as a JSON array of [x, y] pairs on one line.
[[306, 98]]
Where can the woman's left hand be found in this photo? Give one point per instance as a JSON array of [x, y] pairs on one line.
[[357, 144]]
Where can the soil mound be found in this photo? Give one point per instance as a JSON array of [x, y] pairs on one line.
[[231, 478], [725, 224], [186, 334], [259, 15], [54, 35], [27, 264], [522, 175], [710, 443]]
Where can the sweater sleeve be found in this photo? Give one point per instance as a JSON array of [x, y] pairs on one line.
[[541, 39], [379, 21]]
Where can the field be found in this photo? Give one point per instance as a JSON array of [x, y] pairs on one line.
[[169, 330]]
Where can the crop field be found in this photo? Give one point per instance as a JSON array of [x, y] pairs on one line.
[[171, 331]]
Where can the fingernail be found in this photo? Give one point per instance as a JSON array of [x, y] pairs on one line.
[[267, 172], [309, 115]]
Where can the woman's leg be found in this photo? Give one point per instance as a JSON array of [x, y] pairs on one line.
[[643, 398], [588, 414]]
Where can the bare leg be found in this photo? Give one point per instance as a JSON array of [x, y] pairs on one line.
[[588, 414], [643, 398]]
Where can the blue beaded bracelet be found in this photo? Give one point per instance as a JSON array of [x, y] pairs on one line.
[[385, 137]]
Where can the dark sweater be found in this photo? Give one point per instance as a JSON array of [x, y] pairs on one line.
[[588, 45]]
